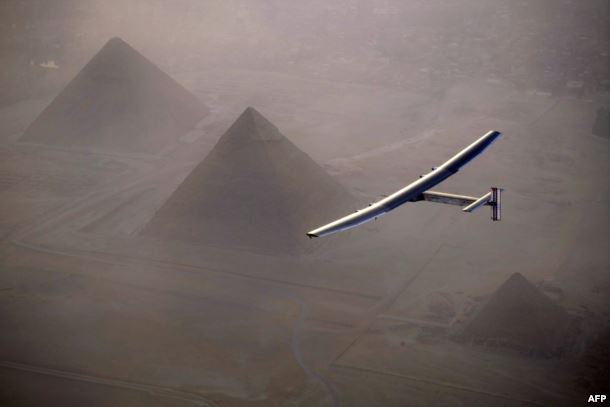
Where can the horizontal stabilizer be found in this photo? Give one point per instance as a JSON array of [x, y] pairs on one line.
[[484, 200]]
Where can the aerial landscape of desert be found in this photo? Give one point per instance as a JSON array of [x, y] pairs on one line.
[[162, 161]]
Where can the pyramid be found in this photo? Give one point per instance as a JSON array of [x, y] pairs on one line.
[[120, 101], [519, 316], [255, 191]]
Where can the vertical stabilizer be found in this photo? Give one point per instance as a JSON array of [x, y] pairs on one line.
[[496, 203]]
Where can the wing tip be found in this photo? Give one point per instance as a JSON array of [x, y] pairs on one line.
[[311, 234]]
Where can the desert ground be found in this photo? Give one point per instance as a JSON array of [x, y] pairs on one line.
[[95, 312]]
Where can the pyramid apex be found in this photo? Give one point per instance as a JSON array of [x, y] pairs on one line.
[[517, 277], [516, 280], [116, 41], [254, 114], [517, 286], [115, 47], [250, 112], [253, 125]]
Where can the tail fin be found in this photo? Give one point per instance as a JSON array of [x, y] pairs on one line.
[[496, 203]]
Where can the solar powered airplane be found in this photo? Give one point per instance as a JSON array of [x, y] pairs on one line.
[[419, 190]]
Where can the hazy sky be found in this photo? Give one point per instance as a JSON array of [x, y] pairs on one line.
[[400, 43]]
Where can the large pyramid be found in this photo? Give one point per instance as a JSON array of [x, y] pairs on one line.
[[254, 191], [120, 101], [519, 316]]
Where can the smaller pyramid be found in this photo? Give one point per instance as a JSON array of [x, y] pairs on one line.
[[120, 101], [255, 191], [519, 316]]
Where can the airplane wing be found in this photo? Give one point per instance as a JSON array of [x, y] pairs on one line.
[[416, 191]]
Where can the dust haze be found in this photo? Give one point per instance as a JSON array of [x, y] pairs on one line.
[[161, 162]]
